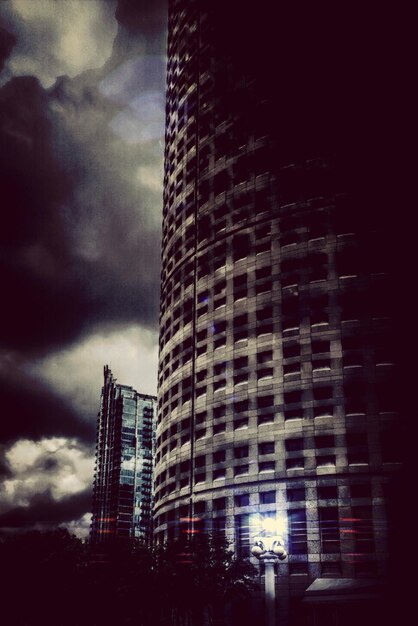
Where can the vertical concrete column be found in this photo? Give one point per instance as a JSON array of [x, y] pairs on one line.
[[270, 593]]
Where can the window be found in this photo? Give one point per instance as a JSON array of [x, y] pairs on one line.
[[219, 411], [241, 362], [319, 314], [353, 359], [218, 428], [200, 507], [219, 368], [298, 569], [265, 374], [266, 418], [219, 327], [321, 364], [325, 460], [365, 568], [184, 466], [291, 350], [264, 314], [317, 264], [355, 397], [291, 368], [240, 335], [240, 287], [295, 463], [200, 461], [266, 447], [242, 499], [267, 466], [218, 524], [242, 534], [219, 343], [296, 494], [348, 262], [329, 529], [200, 433], [240, 452], [219, 504], [328, 492], [264, 402], [330, 569], [291, 414], [241, 407], [218, 474], [240, 379], [219, 456], [291, 397], [264, 329], [265, 286], [363, 529], [357, 448], [323, 393], [201, 417], [219, 384], [268, 497], [264, 357], [298, 537], [296, 443], [199, 477], [200, 376], [324, 441], [240, 470], [362, 490], [241, 422], [240, 321], [241, 247]]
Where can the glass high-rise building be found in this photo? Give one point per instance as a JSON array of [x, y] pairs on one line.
[[122, 493], [278, 359]]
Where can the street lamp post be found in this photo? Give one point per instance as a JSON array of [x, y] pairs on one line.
[[268, 548]]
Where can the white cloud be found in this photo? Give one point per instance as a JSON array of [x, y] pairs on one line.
[[142, 122], [59, 466], [77, 371], [79, 527], [61, 37]]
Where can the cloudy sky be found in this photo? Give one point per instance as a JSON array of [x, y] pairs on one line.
[[81, 160]]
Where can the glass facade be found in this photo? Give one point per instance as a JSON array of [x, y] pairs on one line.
[[122, 495]]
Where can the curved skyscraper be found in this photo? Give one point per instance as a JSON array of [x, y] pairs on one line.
[[277, 377]]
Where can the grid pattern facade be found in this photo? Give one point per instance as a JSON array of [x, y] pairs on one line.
[[122, 494], [277, 377]]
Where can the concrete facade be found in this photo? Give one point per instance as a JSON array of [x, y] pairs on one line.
[[277, 377]]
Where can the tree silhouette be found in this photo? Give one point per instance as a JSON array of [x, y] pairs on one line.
[[54, 578]]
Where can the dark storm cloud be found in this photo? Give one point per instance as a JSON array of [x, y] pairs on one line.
[[147, 19], [45, 511], [7, 41], [81, 180], [33, 410], [4, 468], [79, 240]]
